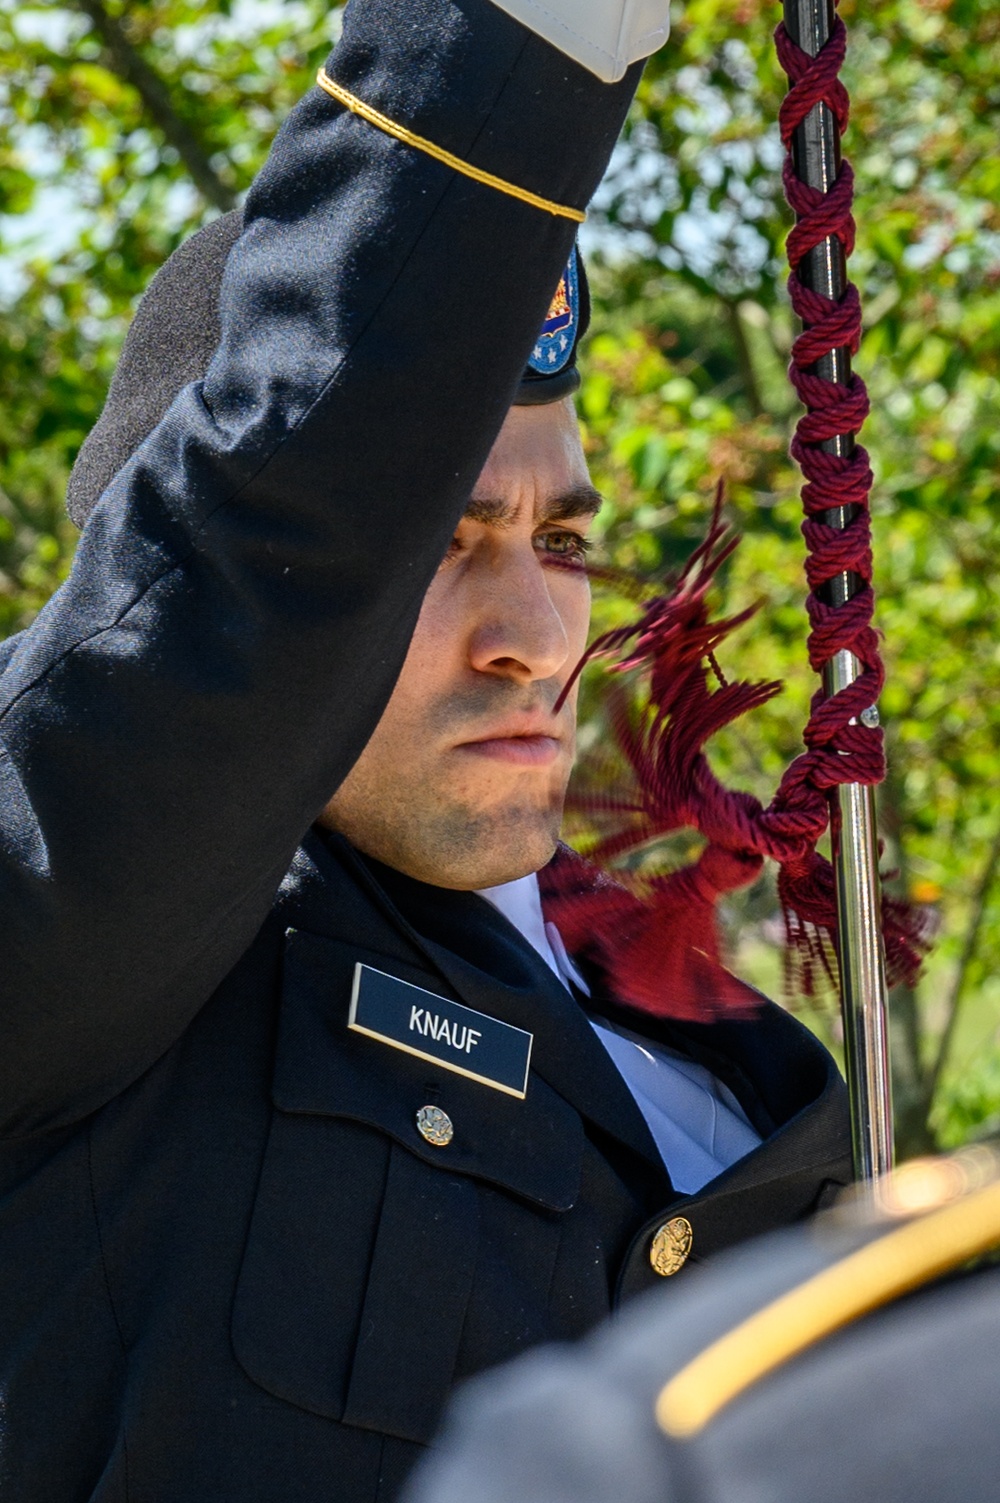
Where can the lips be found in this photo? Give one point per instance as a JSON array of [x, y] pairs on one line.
[[525, 744]]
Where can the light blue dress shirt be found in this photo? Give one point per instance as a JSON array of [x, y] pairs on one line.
[[697, 1124]]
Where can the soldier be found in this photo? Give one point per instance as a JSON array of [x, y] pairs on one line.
[[304, 1113], [856, 1359]]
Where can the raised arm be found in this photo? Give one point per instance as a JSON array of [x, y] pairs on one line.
[[243, 597]]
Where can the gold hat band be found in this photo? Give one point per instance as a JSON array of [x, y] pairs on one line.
[[410, 138]]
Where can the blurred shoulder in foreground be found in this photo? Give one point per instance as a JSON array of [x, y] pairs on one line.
[[856, 1358]]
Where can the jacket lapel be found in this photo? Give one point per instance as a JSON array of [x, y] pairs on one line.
[[782, 1076], [486, 962]]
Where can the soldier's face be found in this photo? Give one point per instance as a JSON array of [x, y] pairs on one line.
[[462, 784]]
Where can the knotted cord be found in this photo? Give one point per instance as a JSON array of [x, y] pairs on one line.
[[659, 945]]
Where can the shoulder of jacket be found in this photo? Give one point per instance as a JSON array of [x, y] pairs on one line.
[[929, 1218]]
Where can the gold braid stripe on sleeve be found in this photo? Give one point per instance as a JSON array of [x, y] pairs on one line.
[[410, 138]]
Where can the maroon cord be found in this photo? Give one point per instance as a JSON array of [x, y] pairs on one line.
[[839, 748], [657, 942]]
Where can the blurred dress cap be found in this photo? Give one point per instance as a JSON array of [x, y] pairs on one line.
[[852, 1360]]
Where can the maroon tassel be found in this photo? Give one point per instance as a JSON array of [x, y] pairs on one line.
[[656, 939], [658, 949]]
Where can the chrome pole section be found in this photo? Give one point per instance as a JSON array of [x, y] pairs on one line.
[[863, 992]]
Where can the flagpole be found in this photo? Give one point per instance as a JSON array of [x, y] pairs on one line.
[[863, 991]]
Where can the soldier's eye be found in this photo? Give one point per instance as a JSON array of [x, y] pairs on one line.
[[569, 547]]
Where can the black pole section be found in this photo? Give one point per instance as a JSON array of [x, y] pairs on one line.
[[816, 160]]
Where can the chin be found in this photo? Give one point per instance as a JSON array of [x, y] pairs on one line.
[[496, 874], [515, 849], [456, 845]]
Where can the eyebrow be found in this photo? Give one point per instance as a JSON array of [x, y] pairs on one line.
[[580, 501]]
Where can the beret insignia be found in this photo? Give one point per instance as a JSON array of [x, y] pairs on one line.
[[554, 347]]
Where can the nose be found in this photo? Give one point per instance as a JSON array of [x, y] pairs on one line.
[[519, 634]]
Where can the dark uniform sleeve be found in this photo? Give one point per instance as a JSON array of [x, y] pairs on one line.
[[243, 597]]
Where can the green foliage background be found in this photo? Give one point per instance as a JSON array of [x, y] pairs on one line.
[[122, 128]]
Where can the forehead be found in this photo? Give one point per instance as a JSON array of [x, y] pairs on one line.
[[537, 455]]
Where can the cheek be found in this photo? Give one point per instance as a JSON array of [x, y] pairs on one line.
[[572, 601], [434, 652]]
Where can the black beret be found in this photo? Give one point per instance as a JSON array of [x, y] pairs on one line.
[[171, 341], [176, 330], [551, 371]]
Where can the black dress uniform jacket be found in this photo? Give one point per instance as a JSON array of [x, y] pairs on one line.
[[231, 1267]]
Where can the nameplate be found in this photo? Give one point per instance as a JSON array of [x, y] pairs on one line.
[[433, 1028]]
